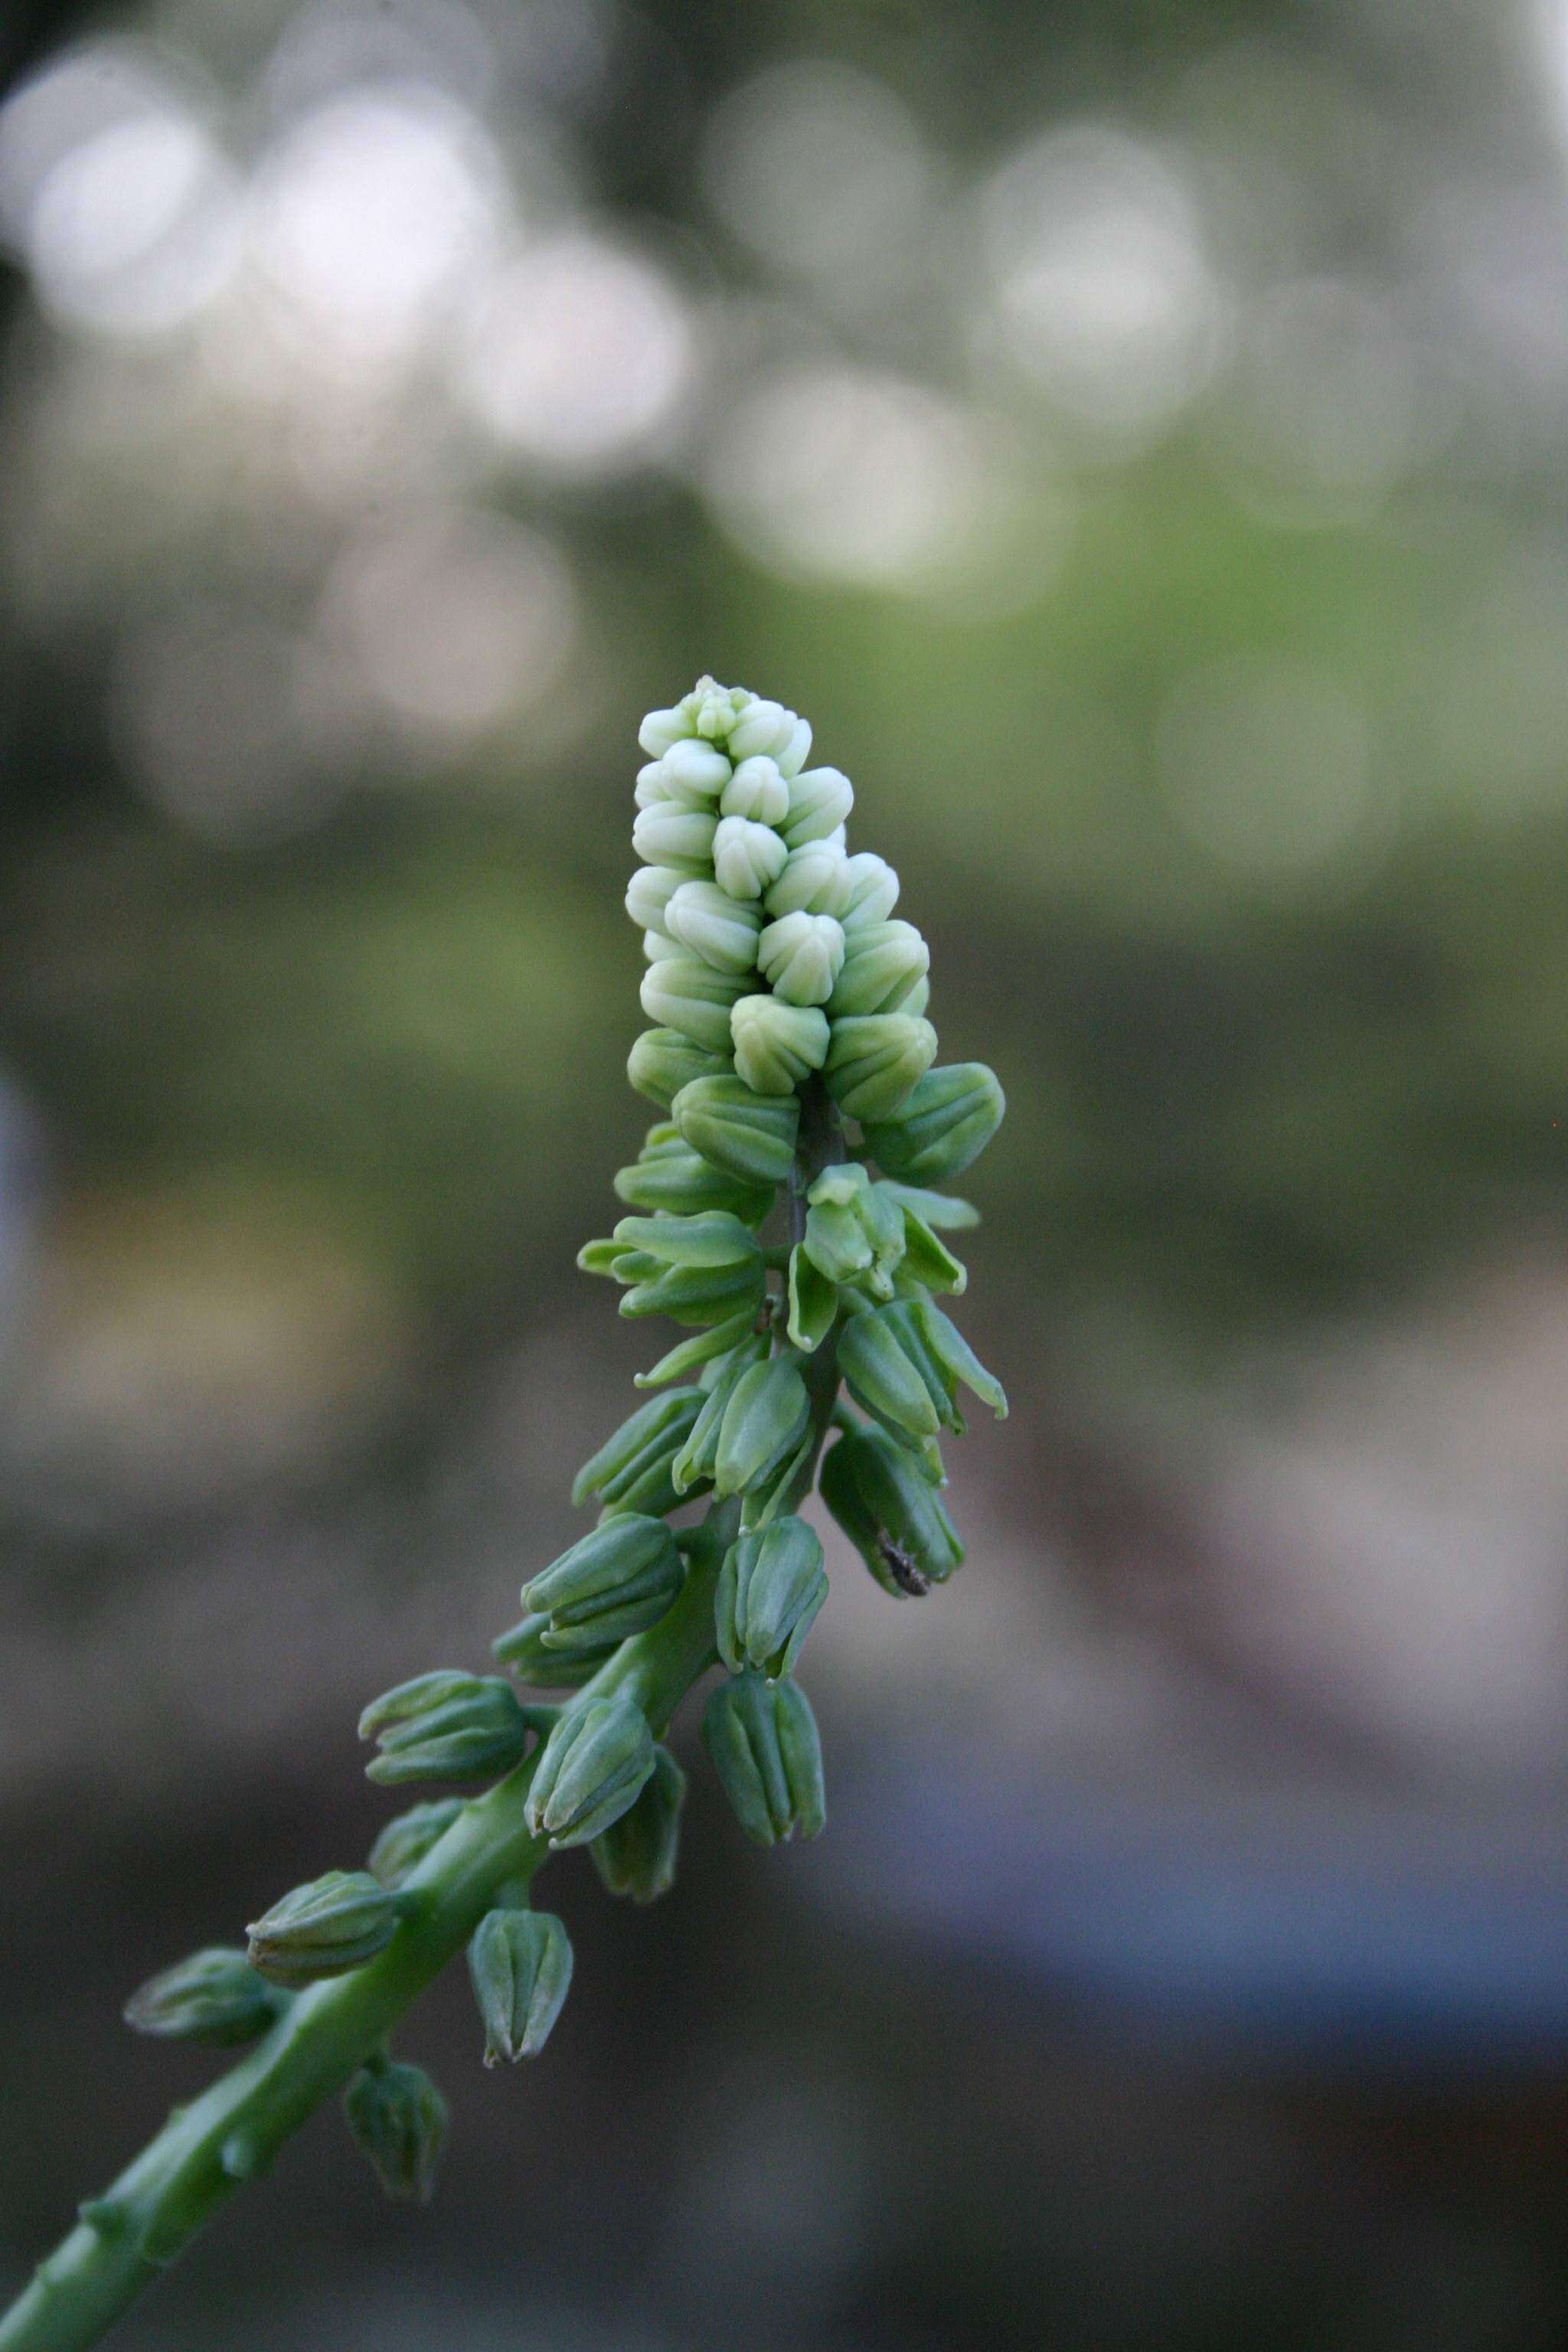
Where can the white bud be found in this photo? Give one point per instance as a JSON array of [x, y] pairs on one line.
[[798, 751], [721, 929], [746, 856], [656, 946], [670, 836], [819, 801], [660, 729], [764, 726], [812, 882], [649, 892], [756, 790], [694, 772], [777, 1044], [801, 956], [870, 891]]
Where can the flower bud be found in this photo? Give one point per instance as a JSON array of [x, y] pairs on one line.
[[776, 1044], [719, 1340], [796, 751], [812, 882], [663, 1060], [770, 1588], [869, 888], [593, 1764], [764, 1424], [746, 856], [520, 1965], [942, 1127], [523, 1650], [685, 993], [700, 1270], [660, 728], [943, 1358], [819, 801], [214, 1996], [399, 2119], [698, 1459], [720, 929], [757, 791], [799, 957], [813, 1303], [681, 1181], [712, 709], [443, 1726], [404, 1844], [631, 1471], [926, 1260], [881, 1377], [665, 834], [694, 772], [884, 967], [713, 1239], [763, 1742], [874, 1059], [325, 1929], [763, 727], [616, 1582], [635, 1856], [854, 1232], [889, 1512], [657, 947], [751, 1136], [649, 892]]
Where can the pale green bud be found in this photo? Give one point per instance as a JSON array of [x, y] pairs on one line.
[[943, 1358], [813, 1303], [722, 930], [445, 1725], [663, 1060], [669, 1175], [869, 888], [889, 1512], [523, 1650], [812, 882], [880, 1376], [748, 1136], [874, 1060], [819, 801], [214, 1996], [520, 1965], [796, 751], [713, 1239], [883, 966], [404, 1844], [688, 994], [694, 774], [667, 835], [592, 1765], [746, 856], [657, 947], [635, 1856], [712, 710], [763, 727], [854, 1232], [763, 1741], [776, 1044], [649, 892], [770, 1588], [398, 2119], [660, 728], [926, 1260], [942, 1127], [616, 1582], [325, 1928], [757, 791], [698, 1459], [631, 1471], [800, 956], [700, 1270], [763, 1424], [652, 792]]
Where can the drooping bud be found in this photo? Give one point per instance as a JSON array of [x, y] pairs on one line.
[[812, 882], [663, 1060], [748, 1136], [764, 1422], [445, 1725], [800, 956], [683, 992], [875, 1059], [213, 1995], [890, 1512], [819, 801], [746, 856], [325, 1929], [942, 1127], [757, 791], [698, 1459], [522, 1649], [880, 1376], [884, 970], [813, 1303], [616, 1582], [668, 1175], [520, 1965], [630, 1472], [777, 1044], [943, 1358], [763, 1741], [720, 929], [593, 1764], [666, 834], [770, 1588], [635, 1856], [700, 1349], [404, 1844], [870, 889], [649, 892], [399, 2119]]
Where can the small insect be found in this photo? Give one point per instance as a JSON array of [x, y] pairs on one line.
[[902, 1567]]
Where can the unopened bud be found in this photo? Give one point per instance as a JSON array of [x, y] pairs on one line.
[[616, 1582], [812, 882], [870, 890], [746, 856], [630, 1472], [800, 956], [214, 1996], [325, 1929], [649, 892], [854, 1232], [942, 1126], [404, 1844], [660, 728], [890, 1513], [757, 791], [776, 1044], [593, 1763], [720, 929], [523, 1650], [694, 771], [445, 1725], [880, 1376], [875, 1059], [698, 1294], [668, 1175], [926, 1259], [763, 1741], [635, 1856], [520, 1965], [819, 801], [884, 970], [683, 992], [666, 834], [764, 727], [698, 1459], [943, 1358], [748, 1136], [813, 1303], [763, 1424], [398, 2118], [770, 1588]]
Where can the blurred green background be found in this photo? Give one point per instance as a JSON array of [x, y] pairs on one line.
[[1135, 435]]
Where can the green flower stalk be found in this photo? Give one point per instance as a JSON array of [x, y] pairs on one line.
[[785, 1214]]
